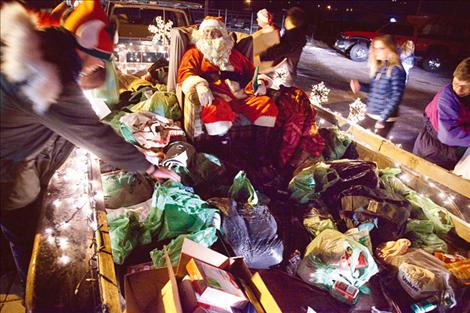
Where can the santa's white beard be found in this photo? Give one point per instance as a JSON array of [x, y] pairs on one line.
[[217, 51]]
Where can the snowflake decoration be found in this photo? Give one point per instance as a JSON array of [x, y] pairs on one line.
[[280, 76], [357, 111], [161, 31], [319, 94]]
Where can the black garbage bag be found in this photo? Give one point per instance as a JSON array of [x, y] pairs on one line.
[[351, 173], [387, 211], [250, 228]]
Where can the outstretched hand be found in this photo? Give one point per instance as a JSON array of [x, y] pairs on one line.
[[261, 90], [161, 173], [355, 86]]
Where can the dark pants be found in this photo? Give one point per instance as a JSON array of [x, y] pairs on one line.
[[19, 228], [428, 146], [369, 123]]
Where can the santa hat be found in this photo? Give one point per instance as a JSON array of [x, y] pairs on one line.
[[212, 21], [264, 16], [89, 23]]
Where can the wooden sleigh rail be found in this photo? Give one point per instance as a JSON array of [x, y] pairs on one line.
[[442, 186]]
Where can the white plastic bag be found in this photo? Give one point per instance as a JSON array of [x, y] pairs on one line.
[[333, 256]]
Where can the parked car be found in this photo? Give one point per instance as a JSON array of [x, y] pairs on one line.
[[439, 41]]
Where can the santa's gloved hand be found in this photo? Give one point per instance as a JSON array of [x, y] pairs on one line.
[[261, 91], [205, 95]]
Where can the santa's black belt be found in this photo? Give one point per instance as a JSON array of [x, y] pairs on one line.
[[223, 75]]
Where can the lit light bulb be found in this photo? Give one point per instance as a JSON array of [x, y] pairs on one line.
[[51, 239], [48, 230], [64, 260], [63, 243]]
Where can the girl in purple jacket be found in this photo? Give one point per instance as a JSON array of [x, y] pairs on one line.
[[446, 132]]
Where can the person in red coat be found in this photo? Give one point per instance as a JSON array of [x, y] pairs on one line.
[[222, 78]]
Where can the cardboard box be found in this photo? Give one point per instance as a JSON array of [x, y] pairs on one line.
[[156, 290], [214, 286], [190, 300]]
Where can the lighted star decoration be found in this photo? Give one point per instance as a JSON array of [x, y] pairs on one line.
[[357, 111], [319, 94], [161, 31]]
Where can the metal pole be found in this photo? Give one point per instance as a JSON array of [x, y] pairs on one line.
[[251, 23], [206, 7], [218, 14], [226, 17]]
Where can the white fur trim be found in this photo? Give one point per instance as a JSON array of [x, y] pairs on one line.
[[266, 121], [267, 80], [88, 33], [189, 84], [211, 22], [218, 128], [22, 58]]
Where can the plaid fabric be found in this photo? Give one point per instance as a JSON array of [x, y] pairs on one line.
[[296, 123]]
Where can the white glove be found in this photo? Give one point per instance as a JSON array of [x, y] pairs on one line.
[[204, 94], [261, 91]]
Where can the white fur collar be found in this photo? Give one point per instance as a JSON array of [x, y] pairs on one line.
[[22, 58]]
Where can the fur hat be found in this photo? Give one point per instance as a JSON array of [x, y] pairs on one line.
[[212, 21], [264, 16], [89, 23]]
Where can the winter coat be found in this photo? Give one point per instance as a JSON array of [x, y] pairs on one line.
[[44, 112], [446, 132], [385, 93], [290, 47]]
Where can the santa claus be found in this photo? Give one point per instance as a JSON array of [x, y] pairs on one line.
[[223, 80]]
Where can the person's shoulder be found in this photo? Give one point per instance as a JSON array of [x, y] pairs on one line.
[[398, 70], [447, 95]]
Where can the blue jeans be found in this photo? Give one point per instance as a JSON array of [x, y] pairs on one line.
[[19, 228]]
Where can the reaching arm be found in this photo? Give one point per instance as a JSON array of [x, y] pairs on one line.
[[73, 118]]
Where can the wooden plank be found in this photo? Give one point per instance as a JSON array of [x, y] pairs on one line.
[[107, 278], [386, 148]]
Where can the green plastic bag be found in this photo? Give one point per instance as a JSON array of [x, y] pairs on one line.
[[336, 142], [109, 91], [242, 190], [123, 189], [205, 237], [311, 181], [161, 103], [422, 207], [176, 211], [124, 233], [421, 235]]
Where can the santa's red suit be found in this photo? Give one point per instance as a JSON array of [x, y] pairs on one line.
[[230, 97]]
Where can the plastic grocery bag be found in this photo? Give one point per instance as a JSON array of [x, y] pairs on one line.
[[109, 91], [333, 256], [422, 207], [124, 231], [336, 142], [205, 237], [176, 211], [162, 103], [421, 234], [195, 169], [122, 189], [148, 130], [243, 191], [317, 220], [331, 178], [422, 275], [249, 227]]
